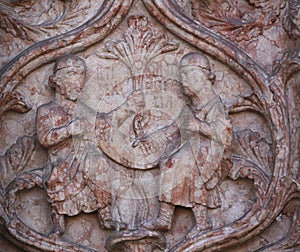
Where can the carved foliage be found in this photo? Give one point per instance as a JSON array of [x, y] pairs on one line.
[[15, 160], [291, 21], [13, 101], [253, 158], [269, 102], [32, 20], [237, 20], [13, 26], [95, 27], [140, 44]]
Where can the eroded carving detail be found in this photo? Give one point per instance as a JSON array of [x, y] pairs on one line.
[[239, 20], [32, 20], [291, 21], [61, 131], [158, 143], [16, 158], [197, 162], [140, 45], [13, 101]]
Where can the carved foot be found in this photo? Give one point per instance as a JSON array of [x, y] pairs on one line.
[[106, 221], [58, 225], [157, 225], [112, 225], [164, 220], [198, 229]]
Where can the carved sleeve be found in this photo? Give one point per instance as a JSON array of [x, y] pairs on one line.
[[48, 133]]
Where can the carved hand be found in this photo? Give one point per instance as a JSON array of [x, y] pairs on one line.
[[201, 127], [136, 99], [78, 126]]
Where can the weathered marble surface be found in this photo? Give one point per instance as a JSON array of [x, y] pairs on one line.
[[183, 134]]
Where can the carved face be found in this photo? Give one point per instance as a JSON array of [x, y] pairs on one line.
[[69, 81], [196, 85]]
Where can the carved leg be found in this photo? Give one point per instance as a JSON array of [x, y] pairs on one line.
[[106, 221], [164, 220], [58, 224], [202, 221]]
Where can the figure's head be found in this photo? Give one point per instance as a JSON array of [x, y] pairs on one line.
[[69, 76], [197, 60], [196, 77]]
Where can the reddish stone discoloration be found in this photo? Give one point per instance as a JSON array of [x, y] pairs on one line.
[[135, 112]]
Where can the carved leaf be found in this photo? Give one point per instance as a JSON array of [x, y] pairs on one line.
[[33, 20], [291, 22], [252, 158], [139, 45], [251, 103], [15, 26], [13, 101], [237, 21], [271, 8], [18, 155]]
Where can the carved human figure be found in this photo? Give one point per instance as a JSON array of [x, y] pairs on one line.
[[73, 160], [191, 175]]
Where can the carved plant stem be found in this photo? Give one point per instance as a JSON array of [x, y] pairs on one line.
[[97, 28]]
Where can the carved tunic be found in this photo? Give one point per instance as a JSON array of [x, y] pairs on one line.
[[66, 182], [191, 175]]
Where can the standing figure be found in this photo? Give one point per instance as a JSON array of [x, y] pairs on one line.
[[190, 176], [59, 130]]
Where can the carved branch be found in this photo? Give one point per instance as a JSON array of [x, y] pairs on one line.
[[13, 101], [274, 110], [189, 30], [253, 159], [24, 181], [15, 161], [268, 164], [96, 28], [21, 231], [238, 22], [251, 103], [139, 45], [13, 26]]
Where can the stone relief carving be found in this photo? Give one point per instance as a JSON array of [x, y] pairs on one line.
[[32, 20], [152, 158], [13, 101], [59, 130], [244, 20], [291, 19], [240, 20], [25, 23], [196, 182]]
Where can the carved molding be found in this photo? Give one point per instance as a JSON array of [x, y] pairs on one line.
[[45, 51], [237, 22]]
